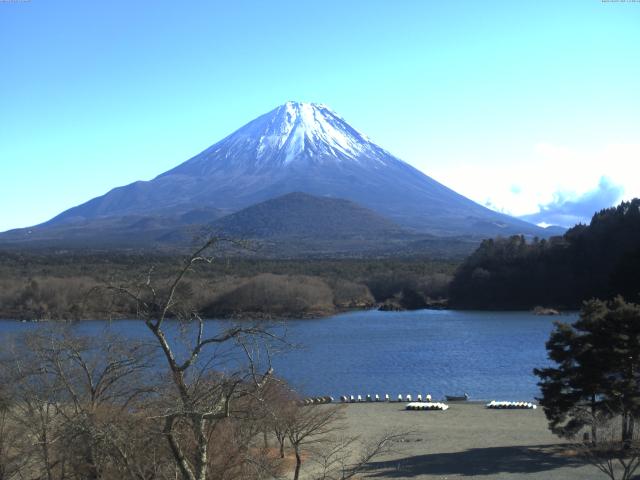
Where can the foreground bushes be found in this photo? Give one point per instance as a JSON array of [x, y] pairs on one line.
[[75, 407], [107, 408]]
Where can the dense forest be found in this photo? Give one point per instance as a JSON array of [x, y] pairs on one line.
[[600, 260]]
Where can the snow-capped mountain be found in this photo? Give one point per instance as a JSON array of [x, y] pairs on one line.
[[301, 147], [291, 135]]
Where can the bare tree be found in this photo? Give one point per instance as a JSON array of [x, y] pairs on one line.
[[70, 396], [345, 457], [611, 455], [202, 393], [317, 432], [31, 411], [13, 440], [310, 426], [280, 405], [97, 379]]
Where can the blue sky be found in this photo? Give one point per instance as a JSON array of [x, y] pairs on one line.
[[525, 106]]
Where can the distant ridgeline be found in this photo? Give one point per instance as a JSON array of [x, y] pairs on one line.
[[599, 260]]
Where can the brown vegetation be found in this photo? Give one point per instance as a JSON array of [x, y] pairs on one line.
[[57, 286], [82, 408], [284, 295]]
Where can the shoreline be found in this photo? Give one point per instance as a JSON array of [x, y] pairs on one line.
[[261, 316]]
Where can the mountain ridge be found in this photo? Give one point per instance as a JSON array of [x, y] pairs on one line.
[[298, 147], [295, 225]]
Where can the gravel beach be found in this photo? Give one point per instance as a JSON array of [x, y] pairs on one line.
[[468, 440]]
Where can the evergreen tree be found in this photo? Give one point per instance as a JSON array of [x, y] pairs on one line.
[[623, 393], [598, 260], [596, 373]]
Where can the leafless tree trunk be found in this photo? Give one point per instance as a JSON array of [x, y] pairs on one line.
[[311, 425], [345, 457], [198, 404], [29, 410], [13, 463]]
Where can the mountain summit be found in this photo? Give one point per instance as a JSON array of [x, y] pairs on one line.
[[293, 135], [300, 147]]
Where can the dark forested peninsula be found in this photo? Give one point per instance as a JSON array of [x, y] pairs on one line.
[[599, 260]]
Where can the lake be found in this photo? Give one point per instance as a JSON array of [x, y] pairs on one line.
[[490, 355]]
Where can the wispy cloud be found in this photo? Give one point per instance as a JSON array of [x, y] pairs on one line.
[[549, 183], [567, 209]]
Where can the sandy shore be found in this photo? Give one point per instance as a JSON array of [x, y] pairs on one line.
[[467, 440]]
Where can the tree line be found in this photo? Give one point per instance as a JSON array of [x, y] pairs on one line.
[[55, 287], [600, 260]]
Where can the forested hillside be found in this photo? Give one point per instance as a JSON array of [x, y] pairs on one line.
[[57, 286], [599, 260]]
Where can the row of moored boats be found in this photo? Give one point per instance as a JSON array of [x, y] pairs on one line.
[[418, 404], [511, 405], [386, 398]]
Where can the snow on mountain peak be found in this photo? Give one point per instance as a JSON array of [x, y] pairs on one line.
[[298, 130], [296, 135]]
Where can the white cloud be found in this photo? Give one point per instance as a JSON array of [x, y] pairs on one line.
[[519, 186], [566, 210]]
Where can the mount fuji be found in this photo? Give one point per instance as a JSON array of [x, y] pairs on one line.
[[297, 147]]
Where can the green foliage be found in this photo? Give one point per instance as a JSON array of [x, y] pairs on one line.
[[597, 368], [600, 260]]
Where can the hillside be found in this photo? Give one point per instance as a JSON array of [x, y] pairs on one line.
[[294, 225], [599, 260], [302, 215], [128, 232]]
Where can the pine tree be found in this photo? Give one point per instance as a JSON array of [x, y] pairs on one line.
[[596, 373]]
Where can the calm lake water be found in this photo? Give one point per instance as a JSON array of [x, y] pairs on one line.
[[490, 355]]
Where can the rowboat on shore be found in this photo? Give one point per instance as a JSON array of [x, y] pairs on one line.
[[457, 398]]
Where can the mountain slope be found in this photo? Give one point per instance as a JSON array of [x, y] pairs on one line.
[[301, 147], [302, 225], [135, 231], [302, 215]]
